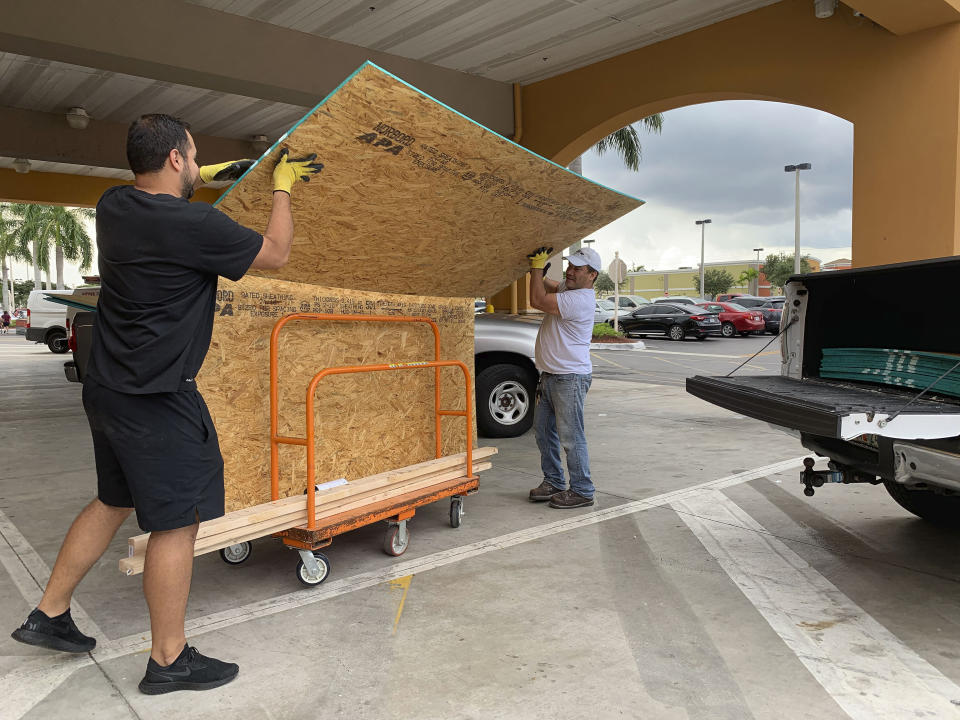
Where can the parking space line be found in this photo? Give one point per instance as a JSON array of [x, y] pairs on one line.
[[30, 573], [608, 361], [867, 670]]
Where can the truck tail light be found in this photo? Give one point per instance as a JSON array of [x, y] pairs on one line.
[[28, 317], [72, 342]]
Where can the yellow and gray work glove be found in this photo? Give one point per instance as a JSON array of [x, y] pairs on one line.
[[289, 170], [231, 170], [538, 258]]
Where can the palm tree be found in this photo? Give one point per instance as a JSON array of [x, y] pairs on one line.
[[70, 238], [37, 226], [626, 141], [10, 247]]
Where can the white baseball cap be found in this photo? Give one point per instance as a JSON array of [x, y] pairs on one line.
[[585, 256]]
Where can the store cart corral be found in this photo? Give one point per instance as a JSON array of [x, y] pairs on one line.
[[309, 522]]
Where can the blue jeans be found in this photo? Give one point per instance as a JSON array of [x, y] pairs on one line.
[[558, 423]]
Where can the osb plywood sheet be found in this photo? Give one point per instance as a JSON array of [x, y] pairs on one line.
[[416, 198], [365, 423]]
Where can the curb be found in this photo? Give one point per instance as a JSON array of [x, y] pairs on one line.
[[618, 346]]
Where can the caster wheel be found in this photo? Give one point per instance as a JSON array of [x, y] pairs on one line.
[[236, 554], [456, 512], [304, 576], [808, 491], [396, 540]]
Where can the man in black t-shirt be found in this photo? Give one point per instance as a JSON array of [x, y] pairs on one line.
[[154, 442]]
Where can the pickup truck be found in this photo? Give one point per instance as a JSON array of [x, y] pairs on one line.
[[505, 377], [905, 438]]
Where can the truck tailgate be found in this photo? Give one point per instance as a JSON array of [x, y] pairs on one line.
[[830, 408]]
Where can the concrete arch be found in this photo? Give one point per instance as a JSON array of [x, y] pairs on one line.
[[902, 93]]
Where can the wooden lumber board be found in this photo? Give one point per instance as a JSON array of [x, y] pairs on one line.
[[134, 564], [299, 518], [416, 198], [329, 498], [365, 423]]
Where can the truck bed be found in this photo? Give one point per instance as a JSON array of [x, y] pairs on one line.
[[833, 409]]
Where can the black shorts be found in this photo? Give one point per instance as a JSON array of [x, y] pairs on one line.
[[157, 453]]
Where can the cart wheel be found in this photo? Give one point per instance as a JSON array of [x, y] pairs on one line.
[[236, 554], [306, 578], [456, 511], [396, 540]]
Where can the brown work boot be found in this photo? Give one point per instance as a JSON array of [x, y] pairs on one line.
[[569, 499], [542, 492]]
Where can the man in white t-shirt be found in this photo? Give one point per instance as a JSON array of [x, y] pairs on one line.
[[563, 359]]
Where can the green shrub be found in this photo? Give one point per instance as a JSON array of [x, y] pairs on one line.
[[604, 330]]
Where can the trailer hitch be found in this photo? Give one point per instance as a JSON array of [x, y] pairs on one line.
[[836, 474]]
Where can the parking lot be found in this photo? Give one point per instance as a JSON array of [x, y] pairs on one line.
[[702, 585]]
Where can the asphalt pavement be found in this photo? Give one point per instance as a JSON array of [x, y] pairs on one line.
[[668, 362]]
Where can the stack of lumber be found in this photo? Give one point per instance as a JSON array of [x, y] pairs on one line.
[[260, 520], [901, 368]]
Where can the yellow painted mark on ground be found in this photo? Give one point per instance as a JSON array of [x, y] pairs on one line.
[[768, 352], [404, 584], [611, 362]]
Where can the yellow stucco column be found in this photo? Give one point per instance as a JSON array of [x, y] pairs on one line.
[[901, 92]]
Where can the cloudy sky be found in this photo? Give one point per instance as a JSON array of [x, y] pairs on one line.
[[724, 161]]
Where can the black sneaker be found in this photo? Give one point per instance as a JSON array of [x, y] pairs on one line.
[[190, 671], [543, 491], [569, 499], [58, 633]]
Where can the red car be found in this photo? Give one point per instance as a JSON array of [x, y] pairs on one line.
[[736, 318]]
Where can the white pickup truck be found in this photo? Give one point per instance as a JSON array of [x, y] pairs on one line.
[[900, 437]]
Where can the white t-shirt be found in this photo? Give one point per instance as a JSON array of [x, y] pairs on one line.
[[563, 343]]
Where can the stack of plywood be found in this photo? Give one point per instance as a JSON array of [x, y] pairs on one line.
[[418, 210]]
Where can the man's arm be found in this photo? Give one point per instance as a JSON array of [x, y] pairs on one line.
[[551, 286], [278, 236], [540, 297]]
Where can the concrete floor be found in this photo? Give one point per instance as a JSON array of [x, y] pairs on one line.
[[702, 585]]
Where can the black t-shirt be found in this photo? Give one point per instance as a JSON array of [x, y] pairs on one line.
[[159, 259]]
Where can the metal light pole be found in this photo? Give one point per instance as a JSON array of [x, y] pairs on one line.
[[702, 224], [796, 222], [758, 251]]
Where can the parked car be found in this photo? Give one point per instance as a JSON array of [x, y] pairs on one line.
[[602, 311], [631, 302], [479, 306], [677, 299], [728, 297], [734, 318], [751, 301], [676, 321], [771, 310]]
